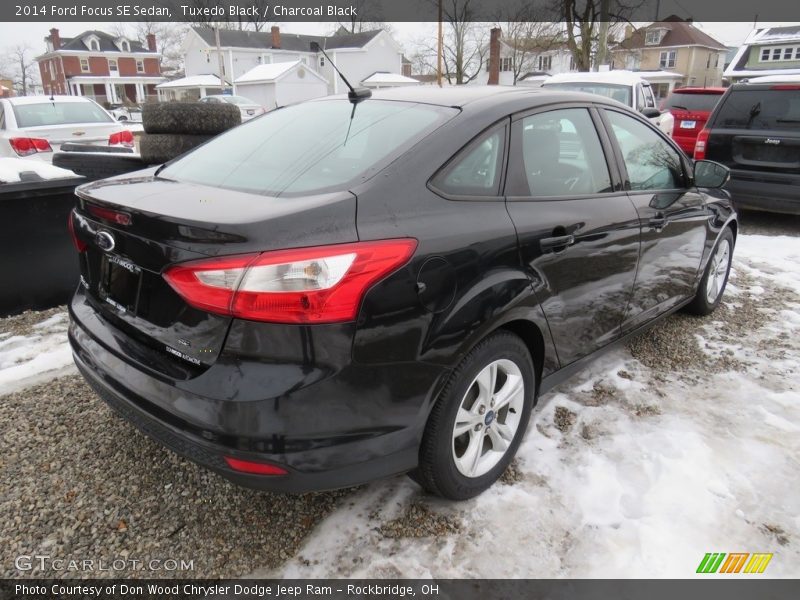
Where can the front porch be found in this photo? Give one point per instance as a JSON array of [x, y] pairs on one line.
[[116, 90]]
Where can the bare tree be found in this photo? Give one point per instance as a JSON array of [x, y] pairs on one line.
[[465, 42], [527, 32], [582, 22], [357, 22], [22, 68]]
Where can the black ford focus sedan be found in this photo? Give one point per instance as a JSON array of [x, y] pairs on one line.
[[337, 292]]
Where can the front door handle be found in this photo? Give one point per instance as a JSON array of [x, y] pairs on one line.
[[559, 241]]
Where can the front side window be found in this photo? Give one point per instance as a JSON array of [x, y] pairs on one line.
[[557, 153], [476, 170], [310, 147], [652, 164]]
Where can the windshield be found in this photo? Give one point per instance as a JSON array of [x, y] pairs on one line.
[[620, 93], [307, 148], [761, 109], [692, 101], [59, 113]]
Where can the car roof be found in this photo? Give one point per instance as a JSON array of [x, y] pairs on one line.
[[700, 90], [621, 77], [20, 100], [481, 96]]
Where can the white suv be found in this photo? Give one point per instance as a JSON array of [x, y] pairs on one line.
[[627, 87]]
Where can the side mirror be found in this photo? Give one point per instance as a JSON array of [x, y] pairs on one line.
[[651, 113], [710, 174]]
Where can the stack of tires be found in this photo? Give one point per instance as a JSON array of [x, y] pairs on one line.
[[172, 128]]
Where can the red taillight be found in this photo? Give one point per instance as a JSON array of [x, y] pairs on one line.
[[700, 144], [28, 146], [324, 284], [115, 216], [80, 245], [254, 468], [121, 138]]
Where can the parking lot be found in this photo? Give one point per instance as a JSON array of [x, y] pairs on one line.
[[685, 441]]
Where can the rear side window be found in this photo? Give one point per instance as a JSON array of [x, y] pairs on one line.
[[59, 113], [309, 147], [652, 164], [476, 170], [557, 153], [702, 102], [760, 109]]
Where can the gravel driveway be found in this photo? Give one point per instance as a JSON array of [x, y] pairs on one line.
[[76, 482]]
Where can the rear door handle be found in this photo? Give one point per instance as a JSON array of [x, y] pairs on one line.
[[658, 222], [560, 241]]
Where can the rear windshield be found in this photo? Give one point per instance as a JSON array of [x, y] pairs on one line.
[[760, 109], [308, 147], [692, 101], [620, 93], [59, 113]]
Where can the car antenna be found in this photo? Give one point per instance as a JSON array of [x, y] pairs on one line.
[[355, 95]]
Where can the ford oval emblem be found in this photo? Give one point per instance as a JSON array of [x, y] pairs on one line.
[[104, 241]]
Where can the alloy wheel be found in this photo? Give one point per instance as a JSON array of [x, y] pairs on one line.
[[718, 270], [488, 418]]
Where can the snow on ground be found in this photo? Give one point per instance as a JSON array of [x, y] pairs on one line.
[[632, 469], [35, 354]]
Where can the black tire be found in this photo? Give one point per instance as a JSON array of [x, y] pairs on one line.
[[437, 472], [189, 117], [98, 166], [700, 304], [158, 148]]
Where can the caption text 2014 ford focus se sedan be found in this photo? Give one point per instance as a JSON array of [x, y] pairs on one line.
[[340, 291]]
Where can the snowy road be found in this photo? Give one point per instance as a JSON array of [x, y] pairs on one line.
[[684, 442]]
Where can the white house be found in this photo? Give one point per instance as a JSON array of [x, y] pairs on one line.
[[537, 62], [282, 83], [358, 55]]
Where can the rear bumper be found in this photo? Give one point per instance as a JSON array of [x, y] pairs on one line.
[[772, 194], [337, 451]]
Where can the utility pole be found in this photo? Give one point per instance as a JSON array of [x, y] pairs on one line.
[[439, 48], [221, 60], [602, 43]]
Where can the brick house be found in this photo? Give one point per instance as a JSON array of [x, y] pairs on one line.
[[676, 46], [101, 66]]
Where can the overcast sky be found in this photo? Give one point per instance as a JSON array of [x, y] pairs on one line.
[[407, 34]]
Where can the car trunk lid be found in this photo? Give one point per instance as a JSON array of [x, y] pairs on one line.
[[136, 227]]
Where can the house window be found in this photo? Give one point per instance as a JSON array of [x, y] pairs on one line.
[[780, 54], [776, 54], [787, 53], [764, 54], [112, 65], [140, 66], [667, 60], [321, 61], [506, 64], [545, 62], [572, 65], [94, 45], [125, 45], [84, 65], [797, 53], [653, 37]]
